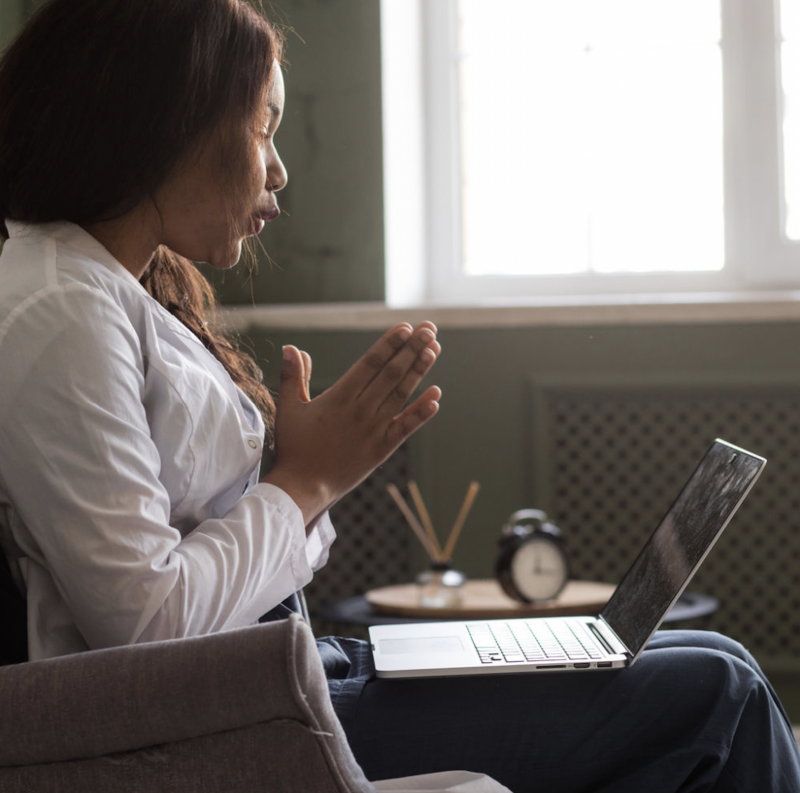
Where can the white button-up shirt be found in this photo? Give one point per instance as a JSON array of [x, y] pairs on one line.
[[130, 506]]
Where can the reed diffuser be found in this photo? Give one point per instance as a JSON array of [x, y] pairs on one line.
[[440, 586]]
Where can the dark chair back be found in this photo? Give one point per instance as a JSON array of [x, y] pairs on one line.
[[13, 619]]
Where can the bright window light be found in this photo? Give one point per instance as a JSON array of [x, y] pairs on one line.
[[790, 78], [591, 135]]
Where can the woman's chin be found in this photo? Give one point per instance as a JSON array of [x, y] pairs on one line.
[[226, 259]]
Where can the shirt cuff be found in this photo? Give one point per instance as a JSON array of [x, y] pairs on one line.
[[319, 542], [316, 545]]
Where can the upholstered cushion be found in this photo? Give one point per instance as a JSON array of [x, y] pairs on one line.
[[178, 699]]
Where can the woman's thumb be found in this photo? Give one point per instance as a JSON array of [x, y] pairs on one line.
[[291, 372]]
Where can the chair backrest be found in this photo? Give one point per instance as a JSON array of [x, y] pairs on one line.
[[13, 619]]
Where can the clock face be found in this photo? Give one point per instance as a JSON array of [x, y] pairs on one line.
[[539, 569]]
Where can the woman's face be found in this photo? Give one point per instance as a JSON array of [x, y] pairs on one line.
[[226, 190]]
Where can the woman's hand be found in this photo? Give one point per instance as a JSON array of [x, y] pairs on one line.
[[326, 446]]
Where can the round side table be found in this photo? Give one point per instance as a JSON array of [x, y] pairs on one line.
[[483, 599]]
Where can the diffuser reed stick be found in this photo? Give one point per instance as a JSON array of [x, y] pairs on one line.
[[472, 491], [425, 518], [427, 535], [412, 521]]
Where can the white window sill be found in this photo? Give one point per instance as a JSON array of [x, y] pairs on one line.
[[672, 309]]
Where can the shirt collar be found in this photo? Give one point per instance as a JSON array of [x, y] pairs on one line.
[[74, 237]]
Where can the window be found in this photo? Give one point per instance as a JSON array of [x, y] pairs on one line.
[[590, 147]]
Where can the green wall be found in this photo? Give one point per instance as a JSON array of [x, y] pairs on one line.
[[328, 245], [12, 12]]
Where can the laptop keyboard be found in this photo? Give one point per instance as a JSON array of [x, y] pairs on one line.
[[533, 640]]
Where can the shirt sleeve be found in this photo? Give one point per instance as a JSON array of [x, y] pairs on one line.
[[81, 470]]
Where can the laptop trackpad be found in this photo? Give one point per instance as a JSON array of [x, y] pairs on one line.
[[421, 644]]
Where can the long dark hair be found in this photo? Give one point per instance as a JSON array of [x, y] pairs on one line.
[[101, 99]]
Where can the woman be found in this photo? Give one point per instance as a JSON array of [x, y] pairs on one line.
[[137, 136]]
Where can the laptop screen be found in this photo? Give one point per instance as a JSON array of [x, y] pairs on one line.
[[680, 543]]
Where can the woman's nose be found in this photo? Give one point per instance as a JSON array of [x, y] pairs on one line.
[[276, 174]]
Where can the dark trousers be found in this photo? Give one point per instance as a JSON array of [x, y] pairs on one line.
[[694, 713]]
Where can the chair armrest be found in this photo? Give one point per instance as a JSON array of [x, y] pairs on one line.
[[128, 698], [194, 700]]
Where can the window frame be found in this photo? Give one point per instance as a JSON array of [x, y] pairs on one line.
[[421, 176]]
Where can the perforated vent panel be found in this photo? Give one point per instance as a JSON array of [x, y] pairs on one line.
[[610, 459], [373, 544]]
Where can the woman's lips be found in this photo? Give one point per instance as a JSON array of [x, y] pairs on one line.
[[263, 218]]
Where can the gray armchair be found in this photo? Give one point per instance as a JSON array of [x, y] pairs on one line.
[[239, 711]]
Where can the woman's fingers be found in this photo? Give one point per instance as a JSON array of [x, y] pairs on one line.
[[386, 376], [372, 363], [414, 416], [400, 392], [306, 376], [390, 357], [296, 373]]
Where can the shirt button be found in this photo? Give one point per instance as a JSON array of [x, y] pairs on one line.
[[252, 444]]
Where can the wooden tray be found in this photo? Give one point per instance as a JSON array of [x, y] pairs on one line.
[[484, 599]]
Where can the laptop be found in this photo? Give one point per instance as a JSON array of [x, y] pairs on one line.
[[616, 637]]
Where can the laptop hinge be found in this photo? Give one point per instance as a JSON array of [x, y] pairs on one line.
[[604, 633]]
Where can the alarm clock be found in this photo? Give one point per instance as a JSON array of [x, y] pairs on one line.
[[531, 562]]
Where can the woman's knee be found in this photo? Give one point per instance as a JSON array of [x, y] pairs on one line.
[[715, 674], [709, 640]]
